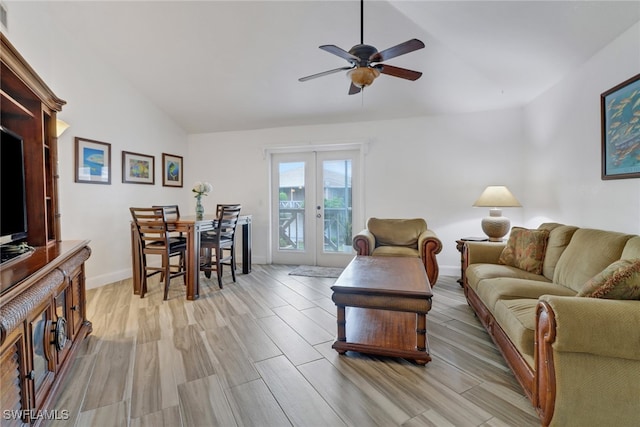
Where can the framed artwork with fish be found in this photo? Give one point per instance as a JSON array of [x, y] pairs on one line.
[[620, 112], [138, 168], [93, 161], [171, 170]]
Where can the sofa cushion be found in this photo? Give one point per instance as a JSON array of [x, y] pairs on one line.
[[525, 249], [620, 280], [559, 238], [397, 232], [518, 319], [477, 272], [490, 291], [588, 253], [395, 251]]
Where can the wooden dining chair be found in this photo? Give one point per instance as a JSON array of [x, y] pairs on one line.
[[213, 244], [154, 239], [171, 214], [232, 249]]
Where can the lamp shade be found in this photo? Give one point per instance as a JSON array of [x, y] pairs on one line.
[[497, 196], [61, 126], [496, 226]]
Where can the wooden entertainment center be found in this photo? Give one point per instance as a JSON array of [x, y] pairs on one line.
[[42, 294]]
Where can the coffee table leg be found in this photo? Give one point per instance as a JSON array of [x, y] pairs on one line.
[[342, 334]]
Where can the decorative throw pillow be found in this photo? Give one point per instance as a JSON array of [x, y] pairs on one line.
[[620, 280], [525, 249]]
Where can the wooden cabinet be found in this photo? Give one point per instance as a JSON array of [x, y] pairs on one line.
[[29, 108], [42, 296]]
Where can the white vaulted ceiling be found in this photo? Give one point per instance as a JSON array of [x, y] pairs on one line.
[[234, 65]]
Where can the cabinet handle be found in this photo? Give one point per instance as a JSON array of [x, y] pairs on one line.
[[31, 375], [74, 307]]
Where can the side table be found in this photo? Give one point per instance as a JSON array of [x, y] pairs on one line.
[[460, 248]]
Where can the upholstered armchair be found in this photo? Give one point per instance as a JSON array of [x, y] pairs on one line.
[[400, 237]]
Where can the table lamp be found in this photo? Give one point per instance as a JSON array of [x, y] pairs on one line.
[[496, 226]]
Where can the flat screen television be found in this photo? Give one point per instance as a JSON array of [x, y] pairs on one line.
[[13, 207]]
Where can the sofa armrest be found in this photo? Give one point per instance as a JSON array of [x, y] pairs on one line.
[[596, 326], [587, 361], [482, 252], [429, 245], [364, 242]]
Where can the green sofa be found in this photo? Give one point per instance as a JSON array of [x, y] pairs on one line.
[[576, 357]]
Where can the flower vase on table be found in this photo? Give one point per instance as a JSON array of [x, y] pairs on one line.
[[201, 189]]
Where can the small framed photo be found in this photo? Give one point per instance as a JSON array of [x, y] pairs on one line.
[[92, 161], [138, 168], [620, 112], [171, 170]]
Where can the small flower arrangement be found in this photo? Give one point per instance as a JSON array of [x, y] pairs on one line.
[[201, 188]]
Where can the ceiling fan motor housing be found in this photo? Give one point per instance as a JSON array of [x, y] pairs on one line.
[[364, 53]]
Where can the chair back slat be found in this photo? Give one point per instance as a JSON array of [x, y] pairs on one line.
[[152, 227]]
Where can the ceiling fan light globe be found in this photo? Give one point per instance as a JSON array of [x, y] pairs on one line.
[[363, 76]]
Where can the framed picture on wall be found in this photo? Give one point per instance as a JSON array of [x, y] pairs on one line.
[[92, 161], [620, 111], [171, 170], [138, 168]]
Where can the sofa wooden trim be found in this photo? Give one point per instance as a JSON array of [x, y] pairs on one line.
[[544, 392], [521, 370]]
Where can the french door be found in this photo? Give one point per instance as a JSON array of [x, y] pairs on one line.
[[315, 207]]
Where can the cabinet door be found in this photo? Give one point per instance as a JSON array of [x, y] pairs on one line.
[[14, 396], [42, 364], [77, 304]]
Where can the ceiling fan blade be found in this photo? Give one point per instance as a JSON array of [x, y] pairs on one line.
[[353, 89], [324, 73], [397, 50], [339, 52], [403, 73]]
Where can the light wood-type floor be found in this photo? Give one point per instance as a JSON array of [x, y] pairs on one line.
[[258, 352]]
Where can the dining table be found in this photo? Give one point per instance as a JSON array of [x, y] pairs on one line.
[[192, 228]]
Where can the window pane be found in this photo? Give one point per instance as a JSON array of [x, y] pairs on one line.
[[291, 206], [337, 205]]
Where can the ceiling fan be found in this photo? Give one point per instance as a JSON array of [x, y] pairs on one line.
[[365, 62]]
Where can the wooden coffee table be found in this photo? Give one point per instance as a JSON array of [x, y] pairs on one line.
[[382, 307]]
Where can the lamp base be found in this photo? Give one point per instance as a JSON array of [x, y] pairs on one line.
[[495, 226]]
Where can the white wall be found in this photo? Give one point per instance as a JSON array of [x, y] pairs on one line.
[[100, 106], [429, 167], [564, 154]]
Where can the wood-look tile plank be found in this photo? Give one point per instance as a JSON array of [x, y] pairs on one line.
[[504, 406], [168, 417], [303, 325], [233, 364], [288, 341], [114, 415], [258, 344], [196, 360], [322, 318], [72, 388], [204, 403], [110, 376], [358, 409], [254, 405], [146, 396], [148, 320], [300, 401]]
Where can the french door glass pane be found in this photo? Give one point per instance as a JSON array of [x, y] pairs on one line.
[[337, 205], [291, 206]]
